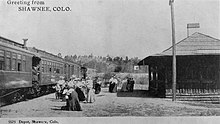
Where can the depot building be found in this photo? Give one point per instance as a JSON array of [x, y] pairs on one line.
[[197, 65]]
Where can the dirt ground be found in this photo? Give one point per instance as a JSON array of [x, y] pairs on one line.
[[108, 105]]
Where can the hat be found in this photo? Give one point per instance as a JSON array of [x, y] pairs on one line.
[[61, 77]]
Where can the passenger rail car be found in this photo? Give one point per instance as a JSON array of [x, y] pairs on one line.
[[29, 72], [15, 70]]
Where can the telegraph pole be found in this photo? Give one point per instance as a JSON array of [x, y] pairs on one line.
[[173, 50]]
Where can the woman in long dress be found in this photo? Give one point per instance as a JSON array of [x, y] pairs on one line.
[[73, 99], [98, 86], [124, 85], [91, 94], [111, 84], [80, 93], [115, 84]]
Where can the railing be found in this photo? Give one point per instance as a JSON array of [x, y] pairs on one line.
[[194, 88]]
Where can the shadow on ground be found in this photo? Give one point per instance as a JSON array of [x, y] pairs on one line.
[[135, 93], [52, 99], [59, 108]]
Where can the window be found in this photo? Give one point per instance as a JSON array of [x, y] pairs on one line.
[[14, 56], [24, 63], [13, 67], [72, 69], [8, 61], [19, 66], [2, 62], [49, 67], [58, 71], [43, 66], [19, 57], [2, 53]]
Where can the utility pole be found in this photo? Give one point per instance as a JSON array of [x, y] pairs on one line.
[[173, 50]]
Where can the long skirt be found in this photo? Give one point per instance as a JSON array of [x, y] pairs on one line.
[[129, 86], [132, 87], [74, 102], [97, 88], [91, 96], [124, 87], [114, 90], [80, 94], [111, 87]]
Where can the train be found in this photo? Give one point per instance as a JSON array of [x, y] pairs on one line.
[[28, 72]]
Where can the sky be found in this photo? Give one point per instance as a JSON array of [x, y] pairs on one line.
[[134, 28]]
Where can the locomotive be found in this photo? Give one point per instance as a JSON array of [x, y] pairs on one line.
[[27, 72]]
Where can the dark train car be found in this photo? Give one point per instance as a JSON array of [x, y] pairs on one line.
[[50, 68], [71, 68], [15, 69], [30, 72]]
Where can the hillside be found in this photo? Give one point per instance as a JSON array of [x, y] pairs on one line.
[[106, 64]]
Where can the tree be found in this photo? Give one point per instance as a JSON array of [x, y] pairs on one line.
[[118, 68]]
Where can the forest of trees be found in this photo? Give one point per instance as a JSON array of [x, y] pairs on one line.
[[106, 64]]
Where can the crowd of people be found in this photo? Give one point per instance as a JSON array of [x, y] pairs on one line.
[[78, 90], [127, 84], [75, 90]]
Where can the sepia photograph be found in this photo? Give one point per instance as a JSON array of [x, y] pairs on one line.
[[109, 61]]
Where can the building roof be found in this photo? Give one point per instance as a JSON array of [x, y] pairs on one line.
[[195, 44], [11, 42]]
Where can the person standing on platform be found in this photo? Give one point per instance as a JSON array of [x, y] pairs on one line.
[[114, 84], [91, 94], [65, 94], [132, 82], [58, 91], [73, 100], [79, 91], [128, 84], [124, 85], [84, 89], [110, 84], [98, 86]]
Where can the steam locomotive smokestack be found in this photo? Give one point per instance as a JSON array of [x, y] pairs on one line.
[[25, 42]]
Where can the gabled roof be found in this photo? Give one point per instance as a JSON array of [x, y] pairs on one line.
[[196, 44]]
